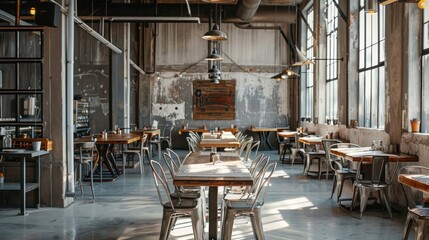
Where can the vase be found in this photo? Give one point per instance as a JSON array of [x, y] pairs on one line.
[[415, 126]]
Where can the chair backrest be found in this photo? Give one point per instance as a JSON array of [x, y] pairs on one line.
[[193, 146], [260, 163], [143, 141], [244, 145], [161, 183], [326, 143], [174, 155], [379, 169], [195, 136], [86, 150], [413, 197], [262, 188], [250, 148]]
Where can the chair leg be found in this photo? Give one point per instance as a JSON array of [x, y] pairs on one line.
[[165, 225], [407, 227], [197, 225], [422, 227], [293, 155], [141, 163], [80, 179], [364, 194], [355, 189], [124, 160], [91, 173], [383, 198], [257, 225], [334, 185], [227, 225]]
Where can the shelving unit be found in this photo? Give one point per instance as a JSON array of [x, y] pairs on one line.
[[21, 82], [81, 117]]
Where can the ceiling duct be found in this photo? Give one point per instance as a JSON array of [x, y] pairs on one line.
[[246, 9]]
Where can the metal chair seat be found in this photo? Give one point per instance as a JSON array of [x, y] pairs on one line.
[[418, 215], [139, 151], [85, 156]]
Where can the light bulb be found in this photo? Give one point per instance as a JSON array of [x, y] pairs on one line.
[[33, 11], [421, 4]]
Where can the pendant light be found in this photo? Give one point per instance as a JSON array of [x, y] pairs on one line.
[[215, 34], [214, 56], [371, 6]]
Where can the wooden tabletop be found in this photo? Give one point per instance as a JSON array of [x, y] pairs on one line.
[[417, 181], [198, 130], [154, 132], [226, 140], [311, 140], [197, 170], [287, 134], [123, 138], [265, 129], [355, 154]]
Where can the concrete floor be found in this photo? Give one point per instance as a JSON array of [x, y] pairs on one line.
[[297, 207]]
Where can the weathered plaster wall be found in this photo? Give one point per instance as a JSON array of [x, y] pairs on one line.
[[258, 102]]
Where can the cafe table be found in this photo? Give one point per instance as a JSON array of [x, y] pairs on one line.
[[215, 140], [264, 134], [150, 134], [195, 130], [197, 170], [356, 154], [104, 146], [23, 186]]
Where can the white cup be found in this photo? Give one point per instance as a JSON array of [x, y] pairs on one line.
[[36, 145]]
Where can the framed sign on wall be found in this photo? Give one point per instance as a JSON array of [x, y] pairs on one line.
[[214, 101]]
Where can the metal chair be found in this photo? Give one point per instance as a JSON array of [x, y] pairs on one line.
[[326, 143], [166, 136], [378, 180], [174, 208], [297, 149], [85, 156], [418, 214], [341, 168], [139, 151], [250, 147], [249, 206]]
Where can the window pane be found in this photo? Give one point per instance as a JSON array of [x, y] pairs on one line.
[[425, 95], [7, 76], [30, 44], [7, 46], [30, 76]]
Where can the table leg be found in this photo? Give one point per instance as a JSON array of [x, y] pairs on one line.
[[23, 186], [213, 213], [264, 138]]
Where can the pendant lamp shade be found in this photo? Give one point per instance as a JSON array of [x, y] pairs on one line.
[[301, 59], [214, 56], [371, 6], [215, 34]]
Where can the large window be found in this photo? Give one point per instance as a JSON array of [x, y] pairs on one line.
[[371, 68], [331, 64], [307, 75], [425, 73]]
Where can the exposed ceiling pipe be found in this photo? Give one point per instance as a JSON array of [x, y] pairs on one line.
[[246, 9], [172, 13]]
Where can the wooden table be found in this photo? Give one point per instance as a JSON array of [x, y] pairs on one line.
[[311, 140], [417, 181], [196, 130], [225, 140], [197, 170], [287, 134], [104, 146], [23, 186], [355, 154], [150, 134], [264, 134]]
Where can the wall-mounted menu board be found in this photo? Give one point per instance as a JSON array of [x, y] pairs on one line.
[[214, 101]]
